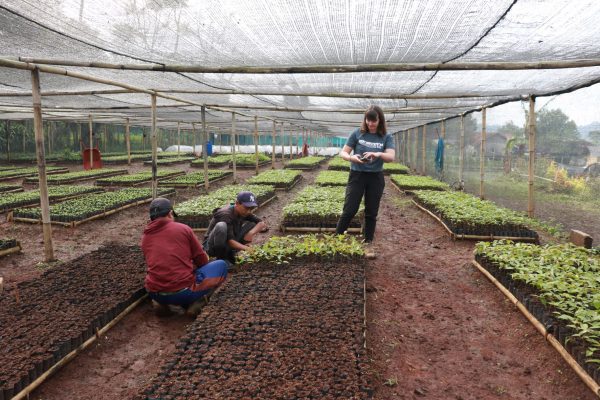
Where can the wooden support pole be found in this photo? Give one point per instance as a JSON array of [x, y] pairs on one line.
[[461, 156], [153, 140], [128, 141], [532, 129], [256, 143], [204, 146], [415, 149], [424, 150], [194, 138], [482, 153], [91, 136], [273, 145], [105, 137], [298, 142], [282, 146], [80, 139], [443, 129], [178, 139], [233, 140], [7, 125], [291, 141], [41, 163]]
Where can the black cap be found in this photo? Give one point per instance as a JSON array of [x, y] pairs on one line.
[[160, 207], [247, 199]]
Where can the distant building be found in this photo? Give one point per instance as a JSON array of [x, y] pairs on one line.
[[594, 156], [495, 144]]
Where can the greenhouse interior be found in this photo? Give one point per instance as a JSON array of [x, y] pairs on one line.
[[411, 190]]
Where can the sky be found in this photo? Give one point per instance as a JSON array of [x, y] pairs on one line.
[[582, 106]]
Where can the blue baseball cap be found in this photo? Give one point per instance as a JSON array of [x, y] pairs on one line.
[[247, 199]]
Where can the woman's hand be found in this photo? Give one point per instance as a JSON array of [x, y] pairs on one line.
[[355, 158], [370, 156]]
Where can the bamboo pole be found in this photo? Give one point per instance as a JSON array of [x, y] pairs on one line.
[[91, 135], [41, 162], [105, 137], [482, 153], [532, 129], [80, 138], [291, 141], [128, 141], [415, 149], [233, 138], [194, 138], [178, 139], [7, 125], [317, 69], [273, 135], [204, 147], [256, 143], [424, 150], [461, 156], [282, 147], [298, 141], [154, 146], [443, 129]]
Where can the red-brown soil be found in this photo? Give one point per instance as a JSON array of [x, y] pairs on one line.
[[436, 328]]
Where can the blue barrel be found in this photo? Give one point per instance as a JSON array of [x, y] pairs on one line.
[[209, 148]]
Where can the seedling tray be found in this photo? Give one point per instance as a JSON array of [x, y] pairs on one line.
[[9, 247]]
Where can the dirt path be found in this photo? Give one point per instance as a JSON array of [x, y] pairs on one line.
[[437, 329]]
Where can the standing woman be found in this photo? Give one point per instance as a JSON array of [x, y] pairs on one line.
[[371, 147]]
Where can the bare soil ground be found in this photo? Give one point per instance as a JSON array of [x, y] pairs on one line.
[[436, 328]]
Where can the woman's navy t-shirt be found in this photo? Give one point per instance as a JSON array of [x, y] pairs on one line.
[[363, 142]]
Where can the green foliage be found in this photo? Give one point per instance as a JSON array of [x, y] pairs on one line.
[[284, 249], [594, 137], [305, 162], [90, 205], [323, 204], [339, 164], [79, 175], [395, 168], [332, 178], [465, 209], [19, 172], [410, 182], [195, 178], [11, 200], [275, 177], [136, 178], [566, 277], [203, 206]]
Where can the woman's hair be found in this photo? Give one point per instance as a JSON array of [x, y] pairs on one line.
[[374, 113]]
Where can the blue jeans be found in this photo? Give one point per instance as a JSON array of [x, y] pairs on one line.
[[208, 277]]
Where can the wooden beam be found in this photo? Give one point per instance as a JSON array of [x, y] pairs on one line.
[[153, 141], [128, 141], [482, 154], [41, 163], [256, 143], [204, 147], [319, 69], [424, 150], [461, 154], [233, 141], [178, 139], [579, 238], [91, 136], [273, 145], [532, 129]]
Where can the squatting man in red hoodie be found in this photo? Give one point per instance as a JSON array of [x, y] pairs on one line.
[[178, 269]]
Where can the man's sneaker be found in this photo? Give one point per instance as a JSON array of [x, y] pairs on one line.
[[161, 310], [370, 251], [194, 309]]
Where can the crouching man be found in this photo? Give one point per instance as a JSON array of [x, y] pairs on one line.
[[178, 271], [232, 228]]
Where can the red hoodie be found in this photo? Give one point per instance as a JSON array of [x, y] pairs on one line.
[[172, 253]]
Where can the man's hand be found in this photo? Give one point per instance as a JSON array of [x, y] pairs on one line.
[[262, 226]]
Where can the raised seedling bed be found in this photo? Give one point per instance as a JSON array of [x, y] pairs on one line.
[[213, 161], [10, 201], [195, 179], [281, 179], [137, 179], [88, 208], [338, 164], [289, 331], [332, 178], [7, 188], [197, 212], [47, 321], [395, 168], [306, 163], [9, 246], [29, 172], [318, 209], [171, 160], [409, 183], [467, 217], [556, 287], [78, 176]]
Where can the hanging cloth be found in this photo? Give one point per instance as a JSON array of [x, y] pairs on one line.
[[439, 156]]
